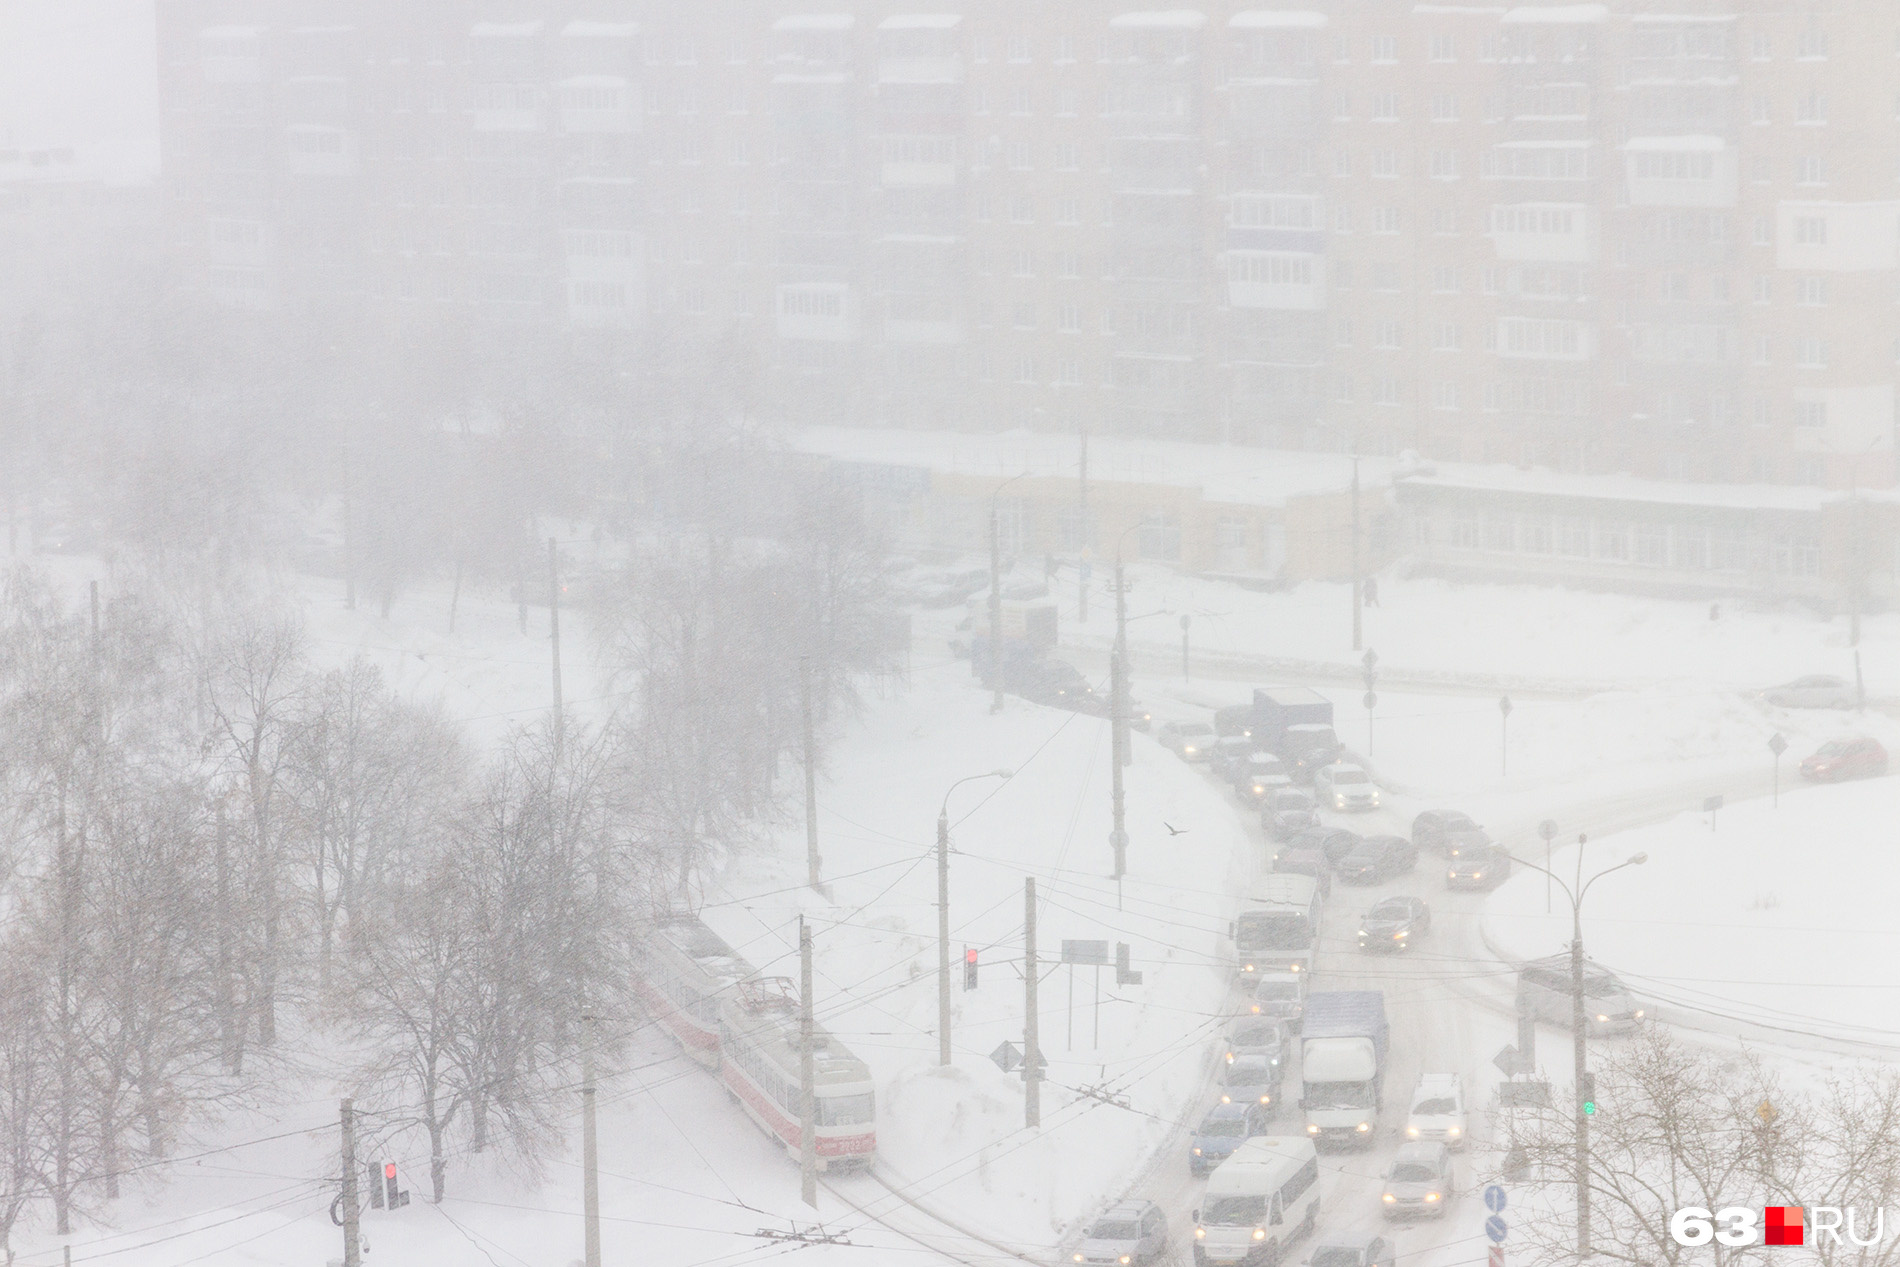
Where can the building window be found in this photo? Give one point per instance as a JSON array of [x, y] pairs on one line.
[[1652, 545], [1068, 372], [1025, 369], [1445, 337], [1813, 291], [1613, 542], [1811, 352], [1068, 156], [1022, 262], [1385, 164], [1023, 316], [1811, 44], [1810, 230], [1069, 318], [1810, 413], [1760, 108], [1385, 107], [1444, 48], [1019, 156], [1445, 279], [1445, 394], [1811, 108], [1385, 276], [1810, 169], [1500, 534], [1463, 534], [1387, 390], [1342, 333], [1022, 209], [1444, 107], [1385, 48], [1764, 289], [1069, 263], [1160, 535], [1385, 219], [1018, 48], [1534, 536], [1573, 537], [1444, 165], [1389, 334]]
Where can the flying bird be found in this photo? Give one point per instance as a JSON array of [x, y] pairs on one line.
[[1173, 830]]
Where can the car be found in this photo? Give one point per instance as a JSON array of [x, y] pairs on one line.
[[1140, 716], [1817, 690], [1259, 775], [1261, 1035], [1291, 859], [1288, 810], [1546, 990], [1128, 1232], [1446, 830], [1857, 758], [948, 589], [1224, 1129], [1438, 1110], [1394, 924], [1377, 859], [1309, 749], [1188, 740], [1277, 996], [1479, 868], [1236, 719], [1333, 843], [1344, 786], [1251, 1078], [1057, 683], [1229, 756], [1418, 1182], [1350, 1249]]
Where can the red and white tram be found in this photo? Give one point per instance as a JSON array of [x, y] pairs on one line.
[[746, 1027], [759, 1063]]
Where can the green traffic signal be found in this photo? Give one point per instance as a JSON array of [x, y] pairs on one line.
[[1589, 1107]]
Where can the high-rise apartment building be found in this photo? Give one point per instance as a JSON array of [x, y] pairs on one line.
[[1661, 238]]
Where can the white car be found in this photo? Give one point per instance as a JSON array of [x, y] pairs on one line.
[[1818, 690], [1438, 1111], [1343, 786], [1188, 740]]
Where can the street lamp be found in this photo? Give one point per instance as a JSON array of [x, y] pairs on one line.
[[1119, 755], [1577, 1026], [996, 599], [943, 911]]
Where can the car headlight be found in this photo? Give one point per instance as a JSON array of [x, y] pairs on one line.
[[1248, 968], [1078, 1258], [1127, 1259], [1190, 749], [1412, 1131], [1260, 1234], [1293, 968], [1389, 1199], [1266, 1099], [1477, 875], [1431, 1196], [1602, 1017], [1451, 875], [1401, 936], [1200, 1233], [1637, 1014], [1311, 1129], [1226, 1099], [1363, 1127], [1453, 1130]]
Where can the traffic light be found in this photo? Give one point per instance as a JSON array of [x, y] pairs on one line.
[[969, 967], [375, 1189], [389, 1184], [1587, 1092]]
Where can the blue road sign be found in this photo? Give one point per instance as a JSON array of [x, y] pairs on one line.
[[1494, 1198], [1495, 1229]]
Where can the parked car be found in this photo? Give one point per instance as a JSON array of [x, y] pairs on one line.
[[1817, 690], [1229, 756], [1418, 1182], [1333, 843], [1479, 868], [1350, 1249], [948, 589], [1128, 1232], [1277, 996], [1236, 719], [1438, 1110], [1294, 859], [1394, 924], [1546, 990], [1224, 1129], [1288, 810], [1838, 759], [1188, 740], [1377, 859], [1251, 1078], [1259, 775], [1446, 829], [1344, 786]]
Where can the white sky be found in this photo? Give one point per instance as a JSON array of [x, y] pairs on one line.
[[81, 73]]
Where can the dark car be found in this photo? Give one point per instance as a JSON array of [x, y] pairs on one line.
[[1837, 759], [1288, 810], [1377, 859], [1479, 868], [1446, 830], [1394, 924], [1237, 719], [1310, 749], [1229, 756], [1060, 684], [1332, 842], [1252, 1078], [1259, 776], [1261, 1034], [1225, 1128], [1351, 1249], [1297, 860]]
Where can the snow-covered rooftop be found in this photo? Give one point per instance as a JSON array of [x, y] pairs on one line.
[[1249, 19], [1566, 13], [601, 30], [1675, 143], [504, 30], [920, 22], [1179, 19], [815, 22]]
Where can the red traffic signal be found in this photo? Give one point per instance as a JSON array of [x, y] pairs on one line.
[[389, 1170], [969, 968]]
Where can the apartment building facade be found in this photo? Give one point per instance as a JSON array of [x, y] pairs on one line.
[[1659, 238]]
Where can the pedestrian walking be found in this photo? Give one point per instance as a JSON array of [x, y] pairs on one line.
[[1371, 590]]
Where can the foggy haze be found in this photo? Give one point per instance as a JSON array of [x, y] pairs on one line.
[[995, 631]]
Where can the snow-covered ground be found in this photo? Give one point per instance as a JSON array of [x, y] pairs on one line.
[[1777, 918]]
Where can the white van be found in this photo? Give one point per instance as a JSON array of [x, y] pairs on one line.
[[1278, 928], [1259, 1201]]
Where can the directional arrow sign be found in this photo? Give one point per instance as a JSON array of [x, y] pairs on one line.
[[1508, 1061], [1007, 1056], [1495, 1228], [1494, 1198]]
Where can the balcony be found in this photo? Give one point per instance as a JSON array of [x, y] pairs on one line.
[[599, 104], [1280, 280], [1681, 171]]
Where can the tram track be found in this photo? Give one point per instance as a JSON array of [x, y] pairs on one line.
[[993, 1253]]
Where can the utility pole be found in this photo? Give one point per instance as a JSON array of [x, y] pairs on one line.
[[1118, 724], [554, 632], [1121, 652], [943, 933], [1357, 580], [93, 588], [811, 775], [1582, 1159], [807, 1079], [1082, 507], [590, 1158], [1032, 1053], [349, 548], [352, 1233], [1504, 734]]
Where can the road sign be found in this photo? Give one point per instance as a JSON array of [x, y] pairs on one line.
[[1504, 705], [1710, 804], [1370, 660], [1497, 1256], [1085, 952], [1008, 1056], [1496, 1229], [1523, 1095], [1767, 1113], [1776, 744], [1371, 701], [1510, 1061], [1548, 829], [1494, 1198]]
